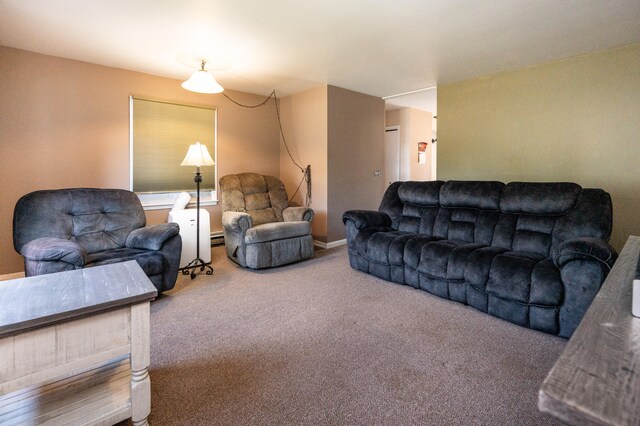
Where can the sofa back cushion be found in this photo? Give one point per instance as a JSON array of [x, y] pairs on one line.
[[262, 197], [520, 216], [97, 219], [454, 210], [469, 211], [412, 206], [538, 216]]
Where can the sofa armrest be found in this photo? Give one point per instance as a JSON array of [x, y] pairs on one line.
[[236, 221], [584, 248], [364, 218], [151, 237], [55, 249], [292, 214]]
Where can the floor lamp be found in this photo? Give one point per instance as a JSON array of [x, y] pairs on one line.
[[197, 156]]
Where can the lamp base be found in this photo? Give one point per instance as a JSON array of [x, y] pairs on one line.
[[194, 265]]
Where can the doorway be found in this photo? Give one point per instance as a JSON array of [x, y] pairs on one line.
[[392, 154]]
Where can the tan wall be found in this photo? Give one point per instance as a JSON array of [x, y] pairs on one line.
[[304, 122], [356, 151], [415, 126], [65, 123], [572, 120]]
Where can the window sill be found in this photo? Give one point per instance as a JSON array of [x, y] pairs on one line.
[[163, 201]]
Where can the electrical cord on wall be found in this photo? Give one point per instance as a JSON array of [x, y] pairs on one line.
[[306, 171]]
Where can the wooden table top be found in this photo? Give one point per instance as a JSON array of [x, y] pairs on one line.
[[596, 380], [33, 302]]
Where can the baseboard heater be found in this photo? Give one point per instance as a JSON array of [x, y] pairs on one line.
[[217, 238]]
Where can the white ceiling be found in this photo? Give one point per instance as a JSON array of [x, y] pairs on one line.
[[376, 47]]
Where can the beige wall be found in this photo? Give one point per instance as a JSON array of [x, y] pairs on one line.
[[415, 126], [356, 151], [304, 123], [65, 123], [340, 133], [572, 120]]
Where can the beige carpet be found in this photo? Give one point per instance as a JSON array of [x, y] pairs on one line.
[[319, 343]]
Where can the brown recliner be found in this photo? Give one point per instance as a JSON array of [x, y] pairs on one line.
[[260, 229]]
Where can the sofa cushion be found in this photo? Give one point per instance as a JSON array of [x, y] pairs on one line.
[[466, 224], [277, 231], [445, 259], [412, 206], [475, 194], [533, 234], [420, 193], [525, 278], [413, 250], [387, 247], [151, 262], [539, 198]]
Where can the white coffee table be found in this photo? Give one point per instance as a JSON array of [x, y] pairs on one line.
[[74, 347]]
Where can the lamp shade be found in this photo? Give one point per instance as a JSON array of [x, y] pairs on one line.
[[202, 82], [197, 156]]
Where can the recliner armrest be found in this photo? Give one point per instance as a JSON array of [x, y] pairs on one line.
[[584, 248], [365, 218], [55, 249], [152, 237], [292, 214], [236, 221]]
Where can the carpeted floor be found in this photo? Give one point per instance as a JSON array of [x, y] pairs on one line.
[[319, 343]]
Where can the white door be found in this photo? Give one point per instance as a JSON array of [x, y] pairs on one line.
[[392, 154]]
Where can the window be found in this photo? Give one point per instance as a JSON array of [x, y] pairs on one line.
[[160, 135]]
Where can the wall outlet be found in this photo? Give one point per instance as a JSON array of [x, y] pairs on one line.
[[377, 173]]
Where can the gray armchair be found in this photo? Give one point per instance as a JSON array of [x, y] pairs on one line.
[[66, 229], [260, 230]]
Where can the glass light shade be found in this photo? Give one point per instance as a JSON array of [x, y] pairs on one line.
[[197, 156], [202, 82]]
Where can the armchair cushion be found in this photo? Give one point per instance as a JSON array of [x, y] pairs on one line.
[[291, 214], [151, 237], [55, 249], [263, 197], [277, 231], [151, 262]]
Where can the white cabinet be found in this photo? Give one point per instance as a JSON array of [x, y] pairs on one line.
[[186, 219]]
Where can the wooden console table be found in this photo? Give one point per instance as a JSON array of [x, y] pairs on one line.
[[74, 347], [596, 380]]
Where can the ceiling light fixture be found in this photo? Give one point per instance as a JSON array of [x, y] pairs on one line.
[[202, 82]]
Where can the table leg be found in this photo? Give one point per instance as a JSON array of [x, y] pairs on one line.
[[140, 360]]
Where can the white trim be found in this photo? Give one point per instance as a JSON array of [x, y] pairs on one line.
[[165, 200], [13, 276], [409, 92], [332, 244]]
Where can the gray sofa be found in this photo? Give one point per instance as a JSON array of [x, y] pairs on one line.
[[260, 229], [66, 229], [534, 254]]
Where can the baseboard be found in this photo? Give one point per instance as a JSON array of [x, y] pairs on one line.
[[13, 276], [332, 244]]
